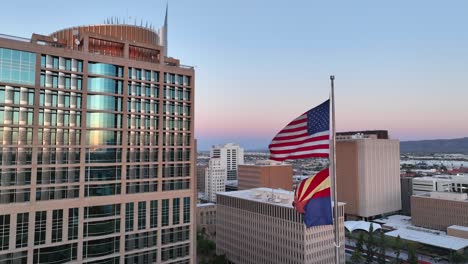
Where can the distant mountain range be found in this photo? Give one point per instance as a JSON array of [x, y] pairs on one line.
[[457, 145]]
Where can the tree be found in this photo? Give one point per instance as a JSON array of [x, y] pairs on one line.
[[412, 258], [357, 256], [218, 260], [370, 245], [456, 257], [205, 248], [397, 250], [381, 250]]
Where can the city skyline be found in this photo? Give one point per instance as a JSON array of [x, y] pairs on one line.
[[398, 65]]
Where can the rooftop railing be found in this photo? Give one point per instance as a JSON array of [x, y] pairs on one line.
[[14, 38]]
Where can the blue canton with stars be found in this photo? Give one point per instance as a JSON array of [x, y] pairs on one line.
[[318, 118]]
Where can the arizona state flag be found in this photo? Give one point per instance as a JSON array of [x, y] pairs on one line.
[[313, 199]]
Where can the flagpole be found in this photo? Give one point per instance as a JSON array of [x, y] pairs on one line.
[[333, 174]]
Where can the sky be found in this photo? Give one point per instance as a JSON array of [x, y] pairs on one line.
[[399, 65]]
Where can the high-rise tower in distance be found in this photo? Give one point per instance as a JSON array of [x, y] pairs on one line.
[[97, 159], [230, 155]]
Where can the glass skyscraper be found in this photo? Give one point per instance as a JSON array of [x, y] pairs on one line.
[[97, 158]]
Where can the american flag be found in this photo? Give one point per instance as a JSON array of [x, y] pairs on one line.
[[307, 136]]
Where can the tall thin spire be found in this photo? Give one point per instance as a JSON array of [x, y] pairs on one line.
[[165, 30]]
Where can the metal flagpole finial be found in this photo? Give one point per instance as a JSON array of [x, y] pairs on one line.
[[332, 77]]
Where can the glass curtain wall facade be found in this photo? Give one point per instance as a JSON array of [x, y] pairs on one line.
[[97, 155]]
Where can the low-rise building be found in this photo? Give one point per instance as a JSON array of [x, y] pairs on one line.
[[269, 174], [431, 184], [261, 226], [458, 231], [439, 210], [206, 219]]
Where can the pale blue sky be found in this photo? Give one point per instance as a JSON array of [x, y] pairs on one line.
[[399, 65]]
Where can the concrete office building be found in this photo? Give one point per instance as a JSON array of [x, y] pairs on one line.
[[368, 174], [460, 183], [406, 193], [206, 219], [97, 154], [439, 210], [201, 177], [215, 179], [231, 155], [432, 184], [260, 226], [267, 174]]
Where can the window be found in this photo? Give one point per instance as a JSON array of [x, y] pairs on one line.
[[108, 173], [175, 252], [104, 102], [141, 240], [57, 225], [176, 211], [129, 216], [40, 228], [153, 214], [102, 189], [4, 232], [72, 223], [103, 120], [165, 212], [173, 235], [102, 211], [17, 66], [22, 223], [100, 247], [105, 69], [186, 210], [57, 254], [141, 215], [104, 85], [101, 228]]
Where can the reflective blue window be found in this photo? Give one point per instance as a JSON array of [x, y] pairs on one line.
[[17, 66], [104, 102], [104, 155], [105, 69], [103, 137], [104, 85], [103, 120]]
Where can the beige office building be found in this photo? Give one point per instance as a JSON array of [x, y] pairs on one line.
[[368, 175], [260, 226], [267, 174], [439, 210]]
